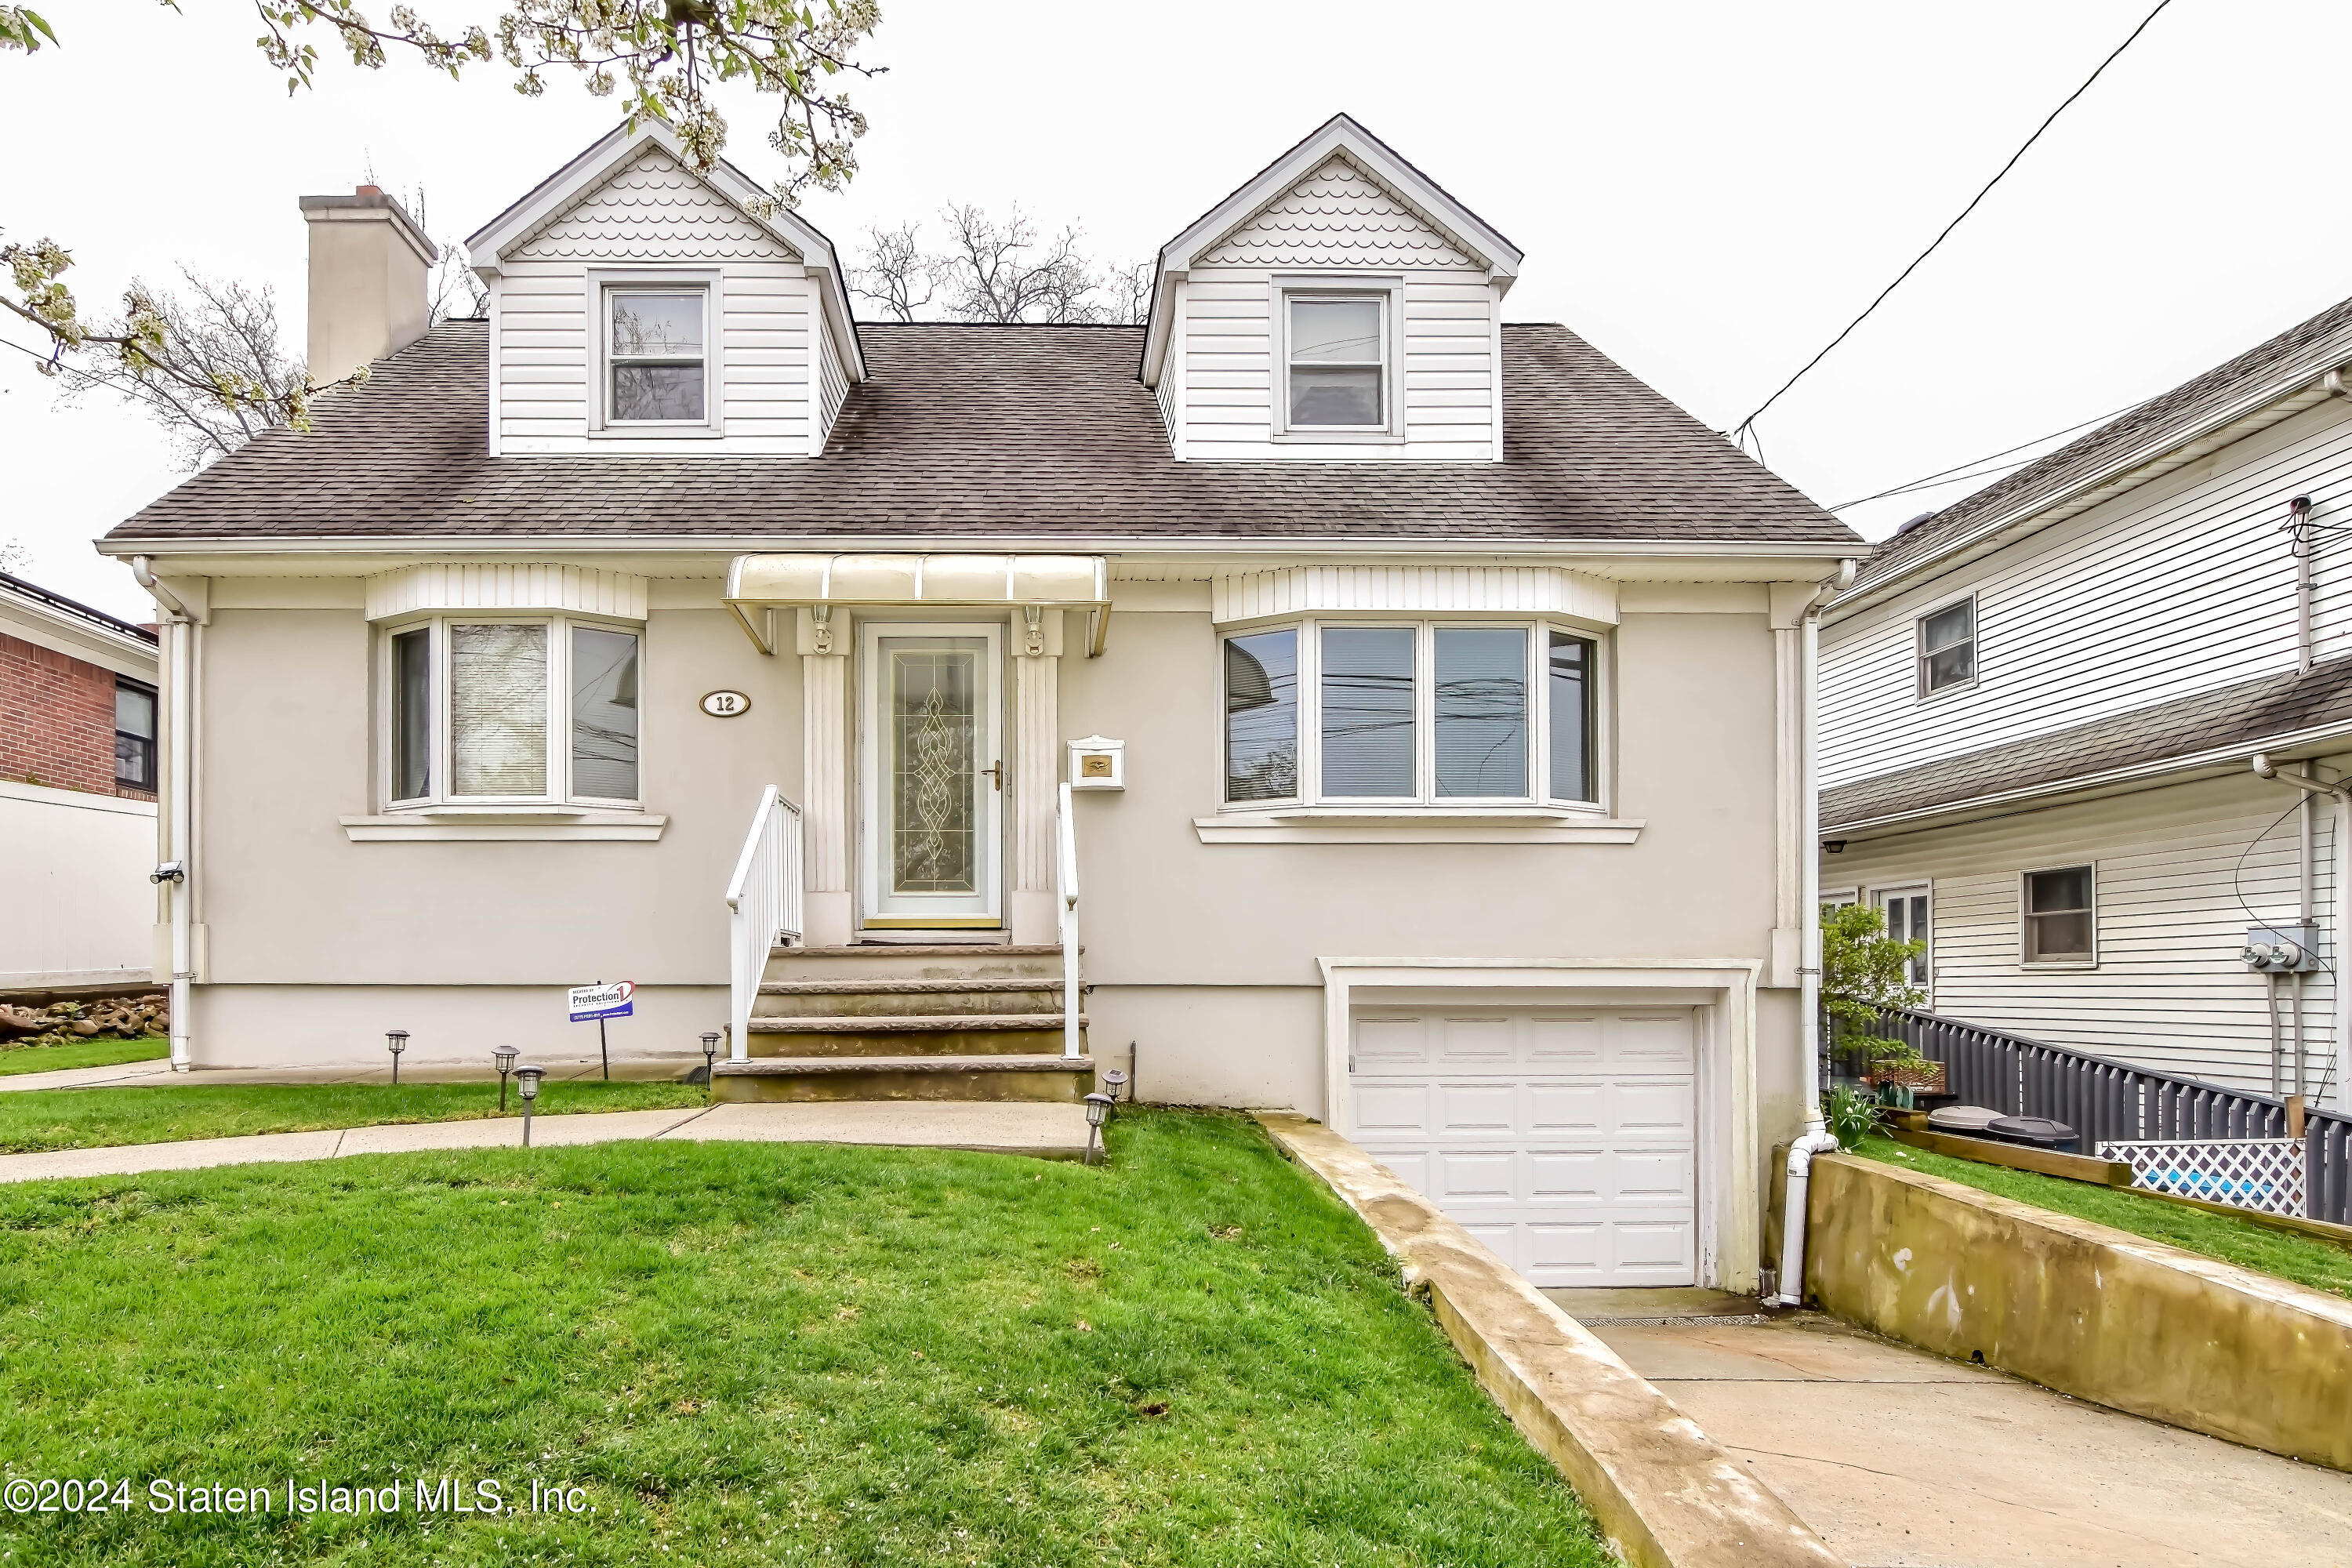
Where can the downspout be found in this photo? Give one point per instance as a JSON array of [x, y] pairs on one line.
[[2343, 796], [1815, 1139], [179, 818]]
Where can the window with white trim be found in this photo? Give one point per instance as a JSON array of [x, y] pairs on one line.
[[1947, 641], [505, 710], [657, 363], [1411, 713], [2058, 917], [1906, 911], [1336, 360]]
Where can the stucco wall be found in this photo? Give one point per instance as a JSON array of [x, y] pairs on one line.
[[1205, 955]]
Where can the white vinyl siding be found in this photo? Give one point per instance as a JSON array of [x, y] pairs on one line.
[[2183, 587], [833, 382], [1447, 383], [2169, 990]]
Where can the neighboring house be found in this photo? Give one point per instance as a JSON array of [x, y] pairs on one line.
[[1432, 692], [76, 795], [2039, 710]]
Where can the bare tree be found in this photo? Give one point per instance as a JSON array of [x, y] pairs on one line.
[[997, 270], [213, 371]]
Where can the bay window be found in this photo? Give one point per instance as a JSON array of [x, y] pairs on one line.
[[1412, 714], [517, 711]]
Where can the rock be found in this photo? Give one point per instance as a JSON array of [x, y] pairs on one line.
[[83, 1027], [19, 1021]]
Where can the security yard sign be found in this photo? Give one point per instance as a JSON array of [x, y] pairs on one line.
[[592, 1004]]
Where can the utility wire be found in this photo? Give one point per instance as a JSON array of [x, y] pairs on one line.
[[1959, 470], [1742, 428]]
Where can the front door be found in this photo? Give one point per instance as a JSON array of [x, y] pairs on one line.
[[931, 827]]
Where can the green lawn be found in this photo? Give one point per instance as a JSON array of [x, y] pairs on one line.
[[87, 1117], [2305, 1260], [82, 1054], [758, 1353]]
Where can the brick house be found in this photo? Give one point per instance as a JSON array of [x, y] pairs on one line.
[[78, 776]]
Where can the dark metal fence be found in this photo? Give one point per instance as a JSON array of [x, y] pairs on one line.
[[2104, 1099]]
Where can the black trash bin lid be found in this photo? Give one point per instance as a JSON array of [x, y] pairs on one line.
[[2035, 1127]]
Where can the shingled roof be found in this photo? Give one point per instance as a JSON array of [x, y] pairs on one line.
[[990, 431], [2238, 718], [2260, 376]]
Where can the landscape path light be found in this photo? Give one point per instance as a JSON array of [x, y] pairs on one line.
[[1097, 1112], [505, 1057], [1114, 1081], [527, 1077], [710, 1056], [395, 1041]]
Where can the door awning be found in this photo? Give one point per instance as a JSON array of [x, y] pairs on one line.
[[1017, 582]]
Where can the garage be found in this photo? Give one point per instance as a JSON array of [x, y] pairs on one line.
[[1564, 1138]]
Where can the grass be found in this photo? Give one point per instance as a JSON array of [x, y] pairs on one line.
[[2307, 1260], [83, 1054], [755, 1355], [89, 1117]]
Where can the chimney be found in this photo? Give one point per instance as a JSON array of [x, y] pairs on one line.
[[368, 267]]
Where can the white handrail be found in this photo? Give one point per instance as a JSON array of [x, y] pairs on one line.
[[1066, 883], [763, 907]]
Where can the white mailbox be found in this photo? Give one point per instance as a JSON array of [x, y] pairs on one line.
[[1099, 763]]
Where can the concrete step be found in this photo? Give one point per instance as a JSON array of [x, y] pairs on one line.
[[994, 1077], [911, 1034], [883, 960], [866, 998]]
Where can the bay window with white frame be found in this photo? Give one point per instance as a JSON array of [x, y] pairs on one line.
[[511, 711], [1412, 714]]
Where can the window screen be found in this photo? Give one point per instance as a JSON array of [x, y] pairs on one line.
[[412, 715], [2058, 916], [1262, 715], [1366, 698], [1482, 711], [497, 710], [657, 356], [603, 713]]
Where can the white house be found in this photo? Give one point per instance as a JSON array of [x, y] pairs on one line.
[[2041, 708], [670, 617], [76, 795]]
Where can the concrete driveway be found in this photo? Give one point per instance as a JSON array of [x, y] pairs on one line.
[[1897, 1457]]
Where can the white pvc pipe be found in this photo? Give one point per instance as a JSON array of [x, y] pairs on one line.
[[179, 815]]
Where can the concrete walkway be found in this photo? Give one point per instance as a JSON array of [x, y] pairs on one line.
[[668, 1068], [1047, 1132], [1899, 1457]]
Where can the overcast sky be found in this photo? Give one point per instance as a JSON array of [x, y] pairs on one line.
[[1706, 191]]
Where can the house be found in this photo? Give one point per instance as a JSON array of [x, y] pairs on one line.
[[1428, 692], [2041, 711], [77, 796]]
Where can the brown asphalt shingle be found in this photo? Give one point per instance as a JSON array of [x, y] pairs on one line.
[[983, 430]]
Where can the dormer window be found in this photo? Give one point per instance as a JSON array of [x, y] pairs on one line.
[[1337, 362], [657, 369]]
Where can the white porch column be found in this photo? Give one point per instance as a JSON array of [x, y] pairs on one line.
[[1036, 769], [824, 778]]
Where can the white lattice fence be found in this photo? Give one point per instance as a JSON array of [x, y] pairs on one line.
[[2263, 1173]]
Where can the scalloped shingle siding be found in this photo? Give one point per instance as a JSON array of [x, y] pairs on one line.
[[652, 210], [1337, 217]]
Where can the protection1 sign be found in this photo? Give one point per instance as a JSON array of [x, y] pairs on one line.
[[605, 999]]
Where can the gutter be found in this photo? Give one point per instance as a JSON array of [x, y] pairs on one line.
[[1816, 1138], [2311, 786], [177, 821]]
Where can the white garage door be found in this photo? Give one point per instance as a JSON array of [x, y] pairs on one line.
[[1564, 1138]]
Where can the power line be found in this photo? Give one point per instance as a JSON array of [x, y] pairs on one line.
[[1742, 429], [1956, 472]]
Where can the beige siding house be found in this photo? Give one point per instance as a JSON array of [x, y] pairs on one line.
[[1325, 696], [2041, 708]]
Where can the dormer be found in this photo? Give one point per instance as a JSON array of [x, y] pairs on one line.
[[1339, 306], [636, 307]]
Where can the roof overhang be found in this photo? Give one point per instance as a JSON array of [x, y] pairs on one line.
[[1030, 584], [616, 148], [2221, 762], [1339, 136]]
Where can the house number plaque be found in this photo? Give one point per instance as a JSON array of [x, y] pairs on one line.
[[726, 704]]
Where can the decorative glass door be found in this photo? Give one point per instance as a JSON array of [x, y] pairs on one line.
[[932, 757]]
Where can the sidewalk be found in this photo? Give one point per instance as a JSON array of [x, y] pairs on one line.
[[1046, 1131]]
